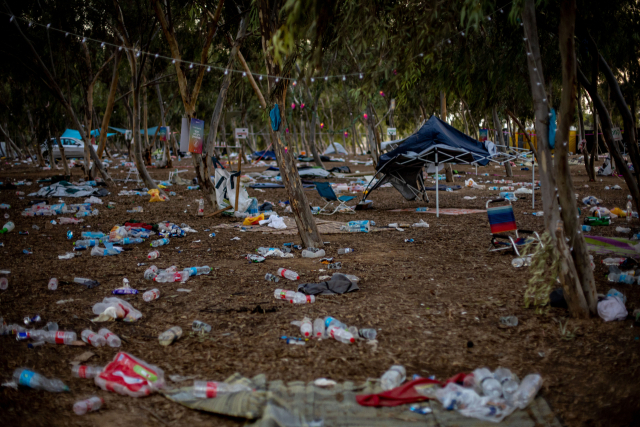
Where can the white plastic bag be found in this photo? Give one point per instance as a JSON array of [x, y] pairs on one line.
[[612, 308], [274, 221], [112, 308]]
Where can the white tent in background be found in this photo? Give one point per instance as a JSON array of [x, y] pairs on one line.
[[338, 150]]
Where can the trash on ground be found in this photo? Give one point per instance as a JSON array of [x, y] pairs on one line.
[[612, 307], [130, 376]]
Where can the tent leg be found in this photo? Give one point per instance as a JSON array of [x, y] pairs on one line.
[[533, 183], [437, 185]]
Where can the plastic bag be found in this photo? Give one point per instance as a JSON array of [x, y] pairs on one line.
[[274, 221], [612, 308], [253, 220], [155, 196], [619, 212], [470, 404], [130, 376], [112, 308]]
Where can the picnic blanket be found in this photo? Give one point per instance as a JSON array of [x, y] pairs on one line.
[[324, 227], [616, 245], [443, 211], [66, 189]]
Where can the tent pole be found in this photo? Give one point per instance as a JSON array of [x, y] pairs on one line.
[[437, 185], [533, 182]]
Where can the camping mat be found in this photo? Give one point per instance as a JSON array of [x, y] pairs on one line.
[[606, 245], [297, 403], [324, 227], [443, 211]]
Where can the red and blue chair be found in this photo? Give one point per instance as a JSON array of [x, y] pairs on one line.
[[502, 220]]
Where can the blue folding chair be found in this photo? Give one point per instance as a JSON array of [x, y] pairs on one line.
[[328, 195], [503, 220]]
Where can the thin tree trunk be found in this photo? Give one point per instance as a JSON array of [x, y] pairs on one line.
[[566, 191], [585, 151], [498, 127], [167, 137], [443, 116], [104, 129]]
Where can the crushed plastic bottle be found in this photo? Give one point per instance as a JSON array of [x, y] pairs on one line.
[[153, 255], [527, 391], [200, 207], [613, 261], [159, 242], [313, 253], [170, 336], [151, 295], [199, 326], [624, 230], [288, 274], [170, 277], [92, 234], [87, 243], [112, 339], [92, 338], [53, 284], [89, 283], [509, 321], [28, 378], [340, 335], [59, 337], [151, 272], [91, 404], [271, 278], [300, 298], [318, 328], [393, 378], [4, 283], [86, 371], [368, 333], [344, 251], [283, 294], [211, 389]]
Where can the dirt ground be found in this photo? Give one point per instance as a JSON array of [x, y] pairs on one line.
[[436, 304]]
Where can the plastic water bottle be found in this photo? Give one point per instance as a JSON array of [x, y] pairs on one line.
[[613, 261], [193, 187], [527, 391], [153, 255], [393, 378], [271, 278], [201, 207], [131, 241], [508, 380], [151, 272], [27, 378], [621, 278], [288, 274], [283, 294], [151, 295], [318, 328], [85, 371], [88, 243], [300, 298], [4, 283], [112, 339], [53, 284], [340, 334], [170, 277], [629, 209], [344, 251], [92, 234], [306, 328], [98, 251], [59, 337], [211, 389], [170, 336], [159, 242], [92, 338], [9, 226], [330, 321], [485, 381], [88, 405], [586, 228], [200, 326], [198, 271], [313, 253], [368, 333]]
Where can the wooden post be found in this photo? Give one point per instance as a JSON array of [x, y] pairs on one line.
[[238, 181]]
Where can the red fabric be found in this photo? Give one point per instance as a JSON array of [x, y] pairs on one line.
[[502, 227], [404, 394], [138, 225]]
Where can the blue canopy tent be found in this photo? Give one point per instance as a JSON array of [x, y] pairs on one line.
[[436, 142], [265, 155], [71, 133], [150, 131]]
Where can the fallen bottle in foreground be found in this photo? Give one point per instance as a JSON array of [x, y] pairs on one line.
[[27, 378]]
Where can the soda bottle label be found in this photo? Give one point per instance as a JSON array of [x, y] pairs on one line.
[[108, 334], [82, 371], [308, 298], [283, 294], [212, 389], [59, 337], [25, 378]]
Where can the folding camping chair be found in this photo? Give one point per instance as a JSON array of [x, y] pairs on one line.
[[503, 220], [328, 195], [133, 171]]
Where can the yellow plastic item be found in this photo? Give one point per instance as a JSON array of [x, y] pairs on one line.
[[253, 220], [619, 212], [155, 196]]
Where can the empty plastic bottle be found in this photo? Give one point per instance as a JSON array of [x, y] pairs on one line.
[[288, 274], [318, 328], [170, 336], [306, 327], [340, 334], [131, 241], [509, 320], [51, 326], [271, 278], [86, 371], [586, 228], [53, 284], [59, 337], [527, 391], [112, 339], [621, 278], [159, 242], [201, 207], [92, 338], [98, 251], [170, 277], [151, 272], [199, 326], [311, 253], [300, 298], [4, 283], [27, 378], [283, 294], [87, 243], [344, 251], [88, 405], [485, 381], [151, 295], [393, 378], [9, 226], [211, 389], [368, 333], [197, 271], [92, 234], [508, 380], [629, 209], [153, 255]]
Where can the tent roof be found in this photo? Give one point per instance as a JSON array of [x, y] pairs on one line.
[[71, 133], [151, 131], [436, 140], [339, 148]]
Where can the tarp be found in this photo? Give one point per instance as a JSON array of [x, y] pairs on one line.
[[339, 149], [96, 132], [123, 131], [71, 133], [150, 131], [264, 155], [436, 137]]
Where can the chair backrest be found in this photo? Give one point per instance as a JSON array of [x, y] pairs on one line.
[[501, 219], [325, 191]]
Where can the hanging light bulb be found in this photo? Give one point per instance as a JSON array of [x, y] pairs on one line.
[[84, 39], [361, 76], [260, 78], [173, 62], [344, 78], [449, 40], [30, 24], [244, 74], [48, 25], [66, 34], [488, 18], [119, 48], [102, 45], [293, 106], [277, 79], [326, 78], [462, 32], [191, 65], [157, 55], [421, 55], [11, 19], [321, 125], [312, 80], [226, 72], [208, 69], [365, 116], [138, 53], [294, 83]]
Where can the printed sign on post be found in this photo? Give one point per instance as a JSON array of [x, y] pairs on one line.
[[196, 136], [162, 134], [617, 134], [242, 133], [391, 131], [128, 135], [484, 135]]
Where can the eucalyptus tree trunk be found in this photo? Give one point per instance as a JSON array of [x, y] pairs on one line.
[[104, 129], [566, 192], [167, 140], [588, 157]]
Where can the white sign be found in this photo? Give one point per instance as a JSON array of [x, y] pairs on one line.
[[617, 135], [128, 135], [242, 133], [391, 131]]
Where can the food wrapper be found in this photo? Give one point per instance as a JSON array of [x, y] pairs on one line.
[[130, 376]]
